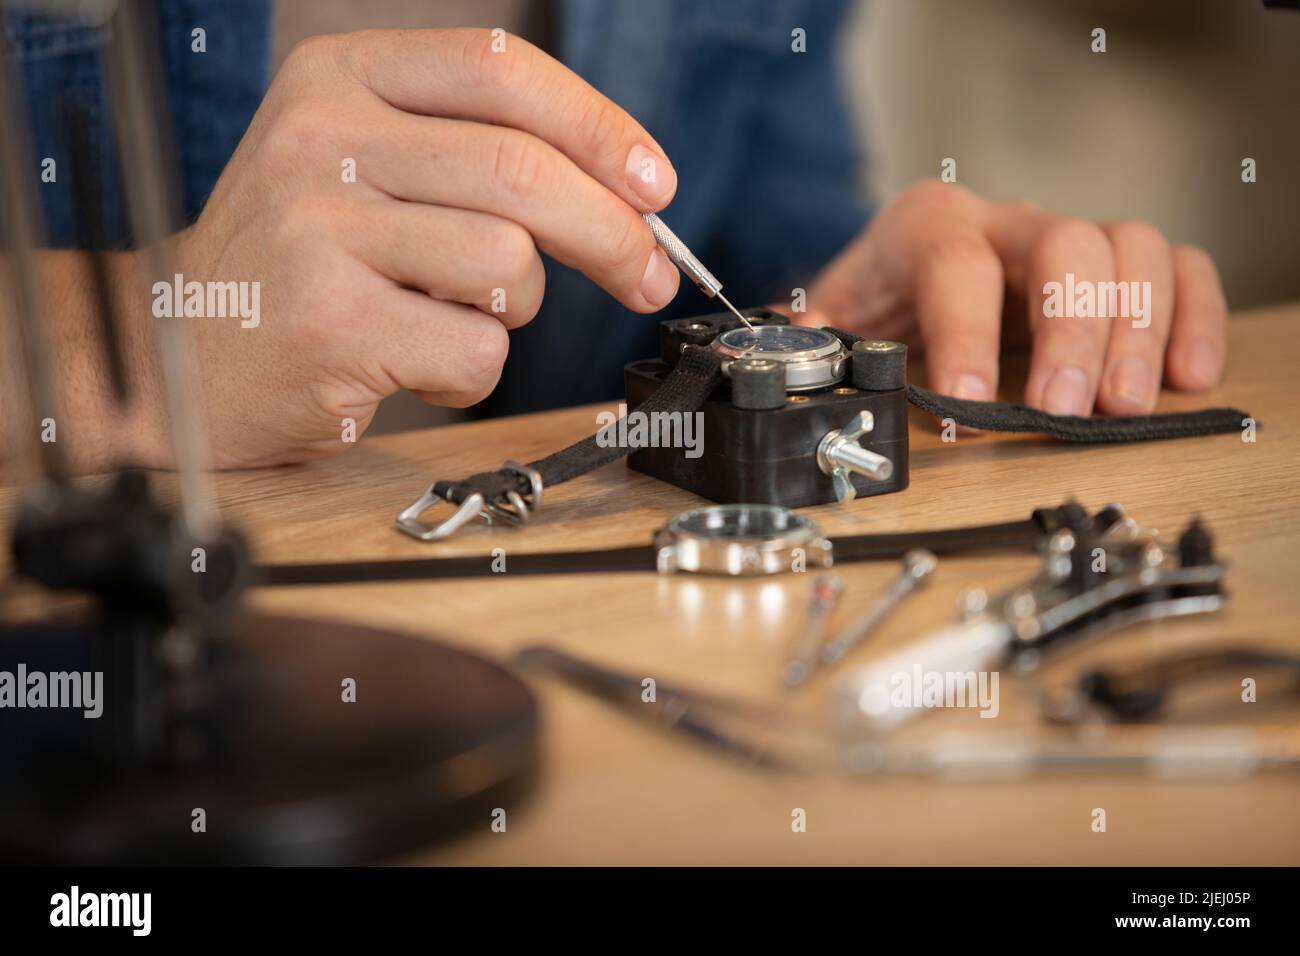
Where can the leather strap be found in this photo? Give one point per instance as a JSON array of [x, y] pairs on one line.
[[614, 560], [1009, 417], [685, 388], [1009, 536], [699, 371]]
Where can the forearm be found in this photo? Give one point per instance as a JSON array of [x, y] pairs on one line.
[[92, 429]]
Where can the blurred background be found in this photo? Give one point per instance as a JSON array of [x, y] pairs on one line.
[[1155, 128]]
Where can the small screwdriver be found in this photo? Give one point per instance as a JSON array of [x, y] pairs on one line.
[[827, 590], [918, 564], [685, 260]]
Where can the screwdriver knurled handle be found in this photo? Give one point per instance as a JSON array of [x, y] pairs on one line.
[[682, 257]]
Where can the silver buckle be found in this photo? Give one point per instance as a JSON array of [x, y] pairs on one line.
[[515, 510], [409, 520], [520, 508]]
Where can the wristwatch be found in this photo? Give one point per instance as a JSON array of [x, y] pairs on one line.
[[727, 540], [809, 358], [741, 540]]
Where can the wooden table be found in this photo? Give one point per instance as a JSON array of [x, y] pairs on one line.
[[616, 790]]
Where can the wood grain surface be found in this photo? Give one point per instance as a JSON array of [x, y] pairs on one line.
[[616, 790]]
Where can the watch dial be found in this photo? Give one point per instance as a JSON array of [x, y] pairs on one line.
[[776, 339]]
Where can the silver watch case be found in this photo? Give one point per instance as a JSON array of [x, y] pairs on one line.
[[741, 541], [813, 358]]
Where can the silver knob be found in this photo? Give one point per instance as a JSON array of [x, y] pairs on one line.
[[840, 455]]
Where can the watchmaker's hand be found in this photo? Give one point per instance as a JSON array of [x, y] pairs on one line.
[[934, 266], [391, 196]]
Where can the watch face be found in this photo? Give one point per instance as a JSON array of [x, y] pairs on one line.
[[777, 341], [813, 358], [732, 522]]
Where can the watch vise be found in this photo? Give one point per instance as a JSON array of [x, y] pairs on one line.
[[799, 419]]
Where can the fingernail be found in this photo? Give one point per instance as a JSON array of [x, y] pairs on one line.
[[651, 177], [971, 387], [1203, 364], [1067, 393], [974, 388], [1133, 384], [659, 281]]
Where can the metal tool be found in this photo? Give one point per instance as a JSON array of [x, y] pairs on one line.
[[1192, 753], [685, 260], [770, 738], [759, 734], [917, 567], [1099, 575], [827, 590]]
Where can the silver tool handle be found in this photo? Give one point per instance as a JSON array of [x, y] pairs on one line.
[[866, 698], [682, 257], [918, 564]]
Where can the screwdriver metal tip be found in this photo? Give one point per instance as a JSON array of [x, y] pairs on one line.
[[734, 311]]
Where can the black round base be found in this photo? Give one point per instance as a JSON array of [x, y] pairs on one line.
[[299, 742]]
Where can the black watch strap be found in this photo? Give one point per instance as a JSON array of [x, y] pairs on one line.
[[1007, 536], [513, 492], [684, 389], [611, 561], [1009, 417]]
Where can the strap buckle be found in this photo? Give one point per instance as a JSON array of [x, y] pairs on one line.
[[517, 509], [514, 509], [409, 520]]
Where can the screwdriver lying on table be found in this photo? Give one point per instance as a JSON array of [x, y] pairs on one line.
[[685, 260]]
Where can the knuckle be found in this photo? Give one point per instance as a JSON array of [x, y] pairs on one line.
[[528, 302], [494, 60], [304, 222], [1135, 232], [329, 306], [1022, 207], [484, 360], [602, 129], [932, 194], [968, 255], [511, 252], [1070, 238], [628, 248], [519, 163], [300, 131], [524, 304], [312, 52]]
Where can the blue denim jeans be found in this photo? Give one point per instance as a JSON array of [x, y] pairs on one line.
[[212, 96]]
